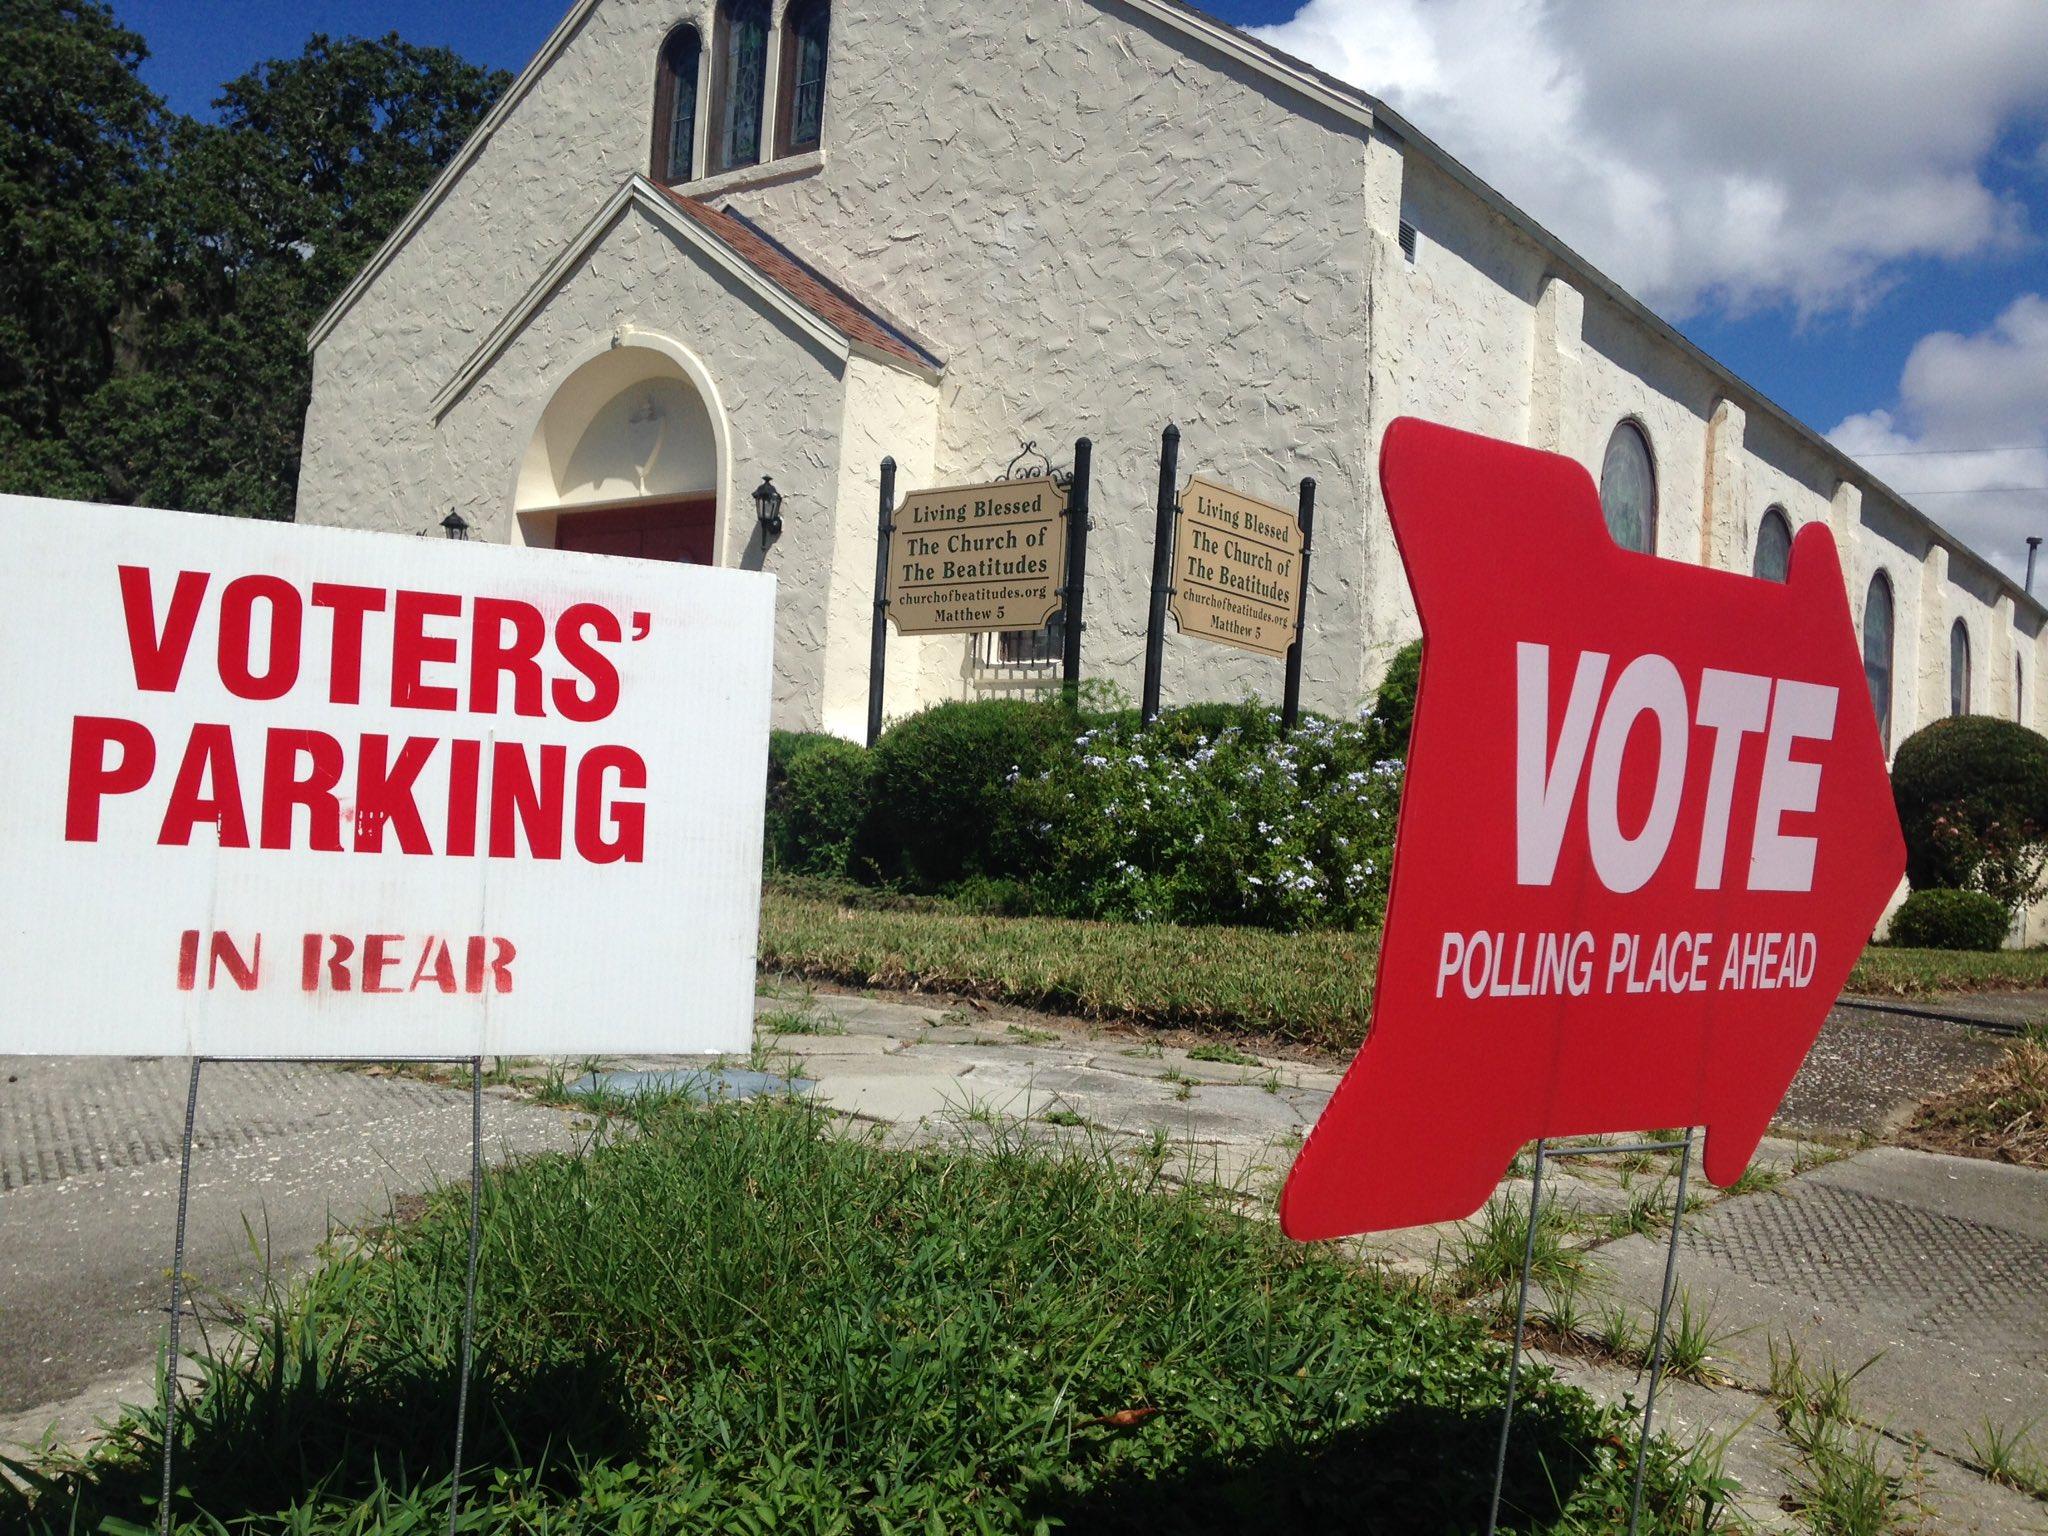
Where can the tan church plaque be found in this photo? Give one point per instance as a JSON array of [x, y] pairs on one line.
[[969, 558], [1236, 570]]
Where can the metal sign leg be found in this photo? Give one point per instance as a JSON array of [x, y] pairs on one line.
[[1507, 1417], [476, 1186], [170, 1394], [1635, 1505]]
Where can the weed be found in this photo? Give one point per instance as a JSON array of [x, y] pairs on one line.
[[1494, 1242], [2003, 1456], [1062, 1116], [1691, 1341], [1620, 1334], [1217, 1050], [1026, 1035], [1757, 1179], [792, 1021]]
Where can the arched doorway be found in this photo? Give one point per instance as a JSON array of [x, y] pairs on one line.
[[625, 461]]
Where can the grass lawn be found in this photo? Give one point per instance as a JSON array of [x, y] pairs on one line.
[[1311, 989], [745, 1320]]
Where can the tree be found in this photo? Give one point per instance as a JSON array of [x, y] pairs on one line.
[[280, 203], [81, 145], [160, 275], [1972, 793]]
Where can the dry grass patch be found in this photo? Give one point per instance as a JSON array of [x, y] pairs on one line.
[[2001, 1113]]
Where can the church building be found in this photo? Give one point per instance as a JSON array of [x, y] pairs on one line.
[[707, 253]]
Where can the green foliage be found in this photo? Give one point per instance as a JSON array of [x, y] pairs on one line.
[[81, 149], [942, 805], [158, 276], [1972, 794], [1243, 826], [824, 799], [743, 1319], [1944, 919], [1393, 708]]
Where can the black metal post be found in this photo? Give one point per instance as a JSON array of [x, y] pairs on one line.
[[878, 640], [1076, 593], [1162, 568], [1290, 707]]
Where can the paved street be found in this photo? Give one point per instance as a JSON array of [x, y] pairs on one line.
[[1936, 1266]]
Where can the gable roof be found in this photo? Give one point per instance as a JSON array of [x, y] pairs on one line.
[[827, 313], [830, 301]]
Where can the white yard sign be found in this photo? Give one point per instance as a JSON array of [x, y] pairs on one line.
[[270, 790]]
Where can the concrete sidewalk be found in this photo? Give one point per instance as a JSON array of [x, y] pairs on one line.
[[282, 1155]]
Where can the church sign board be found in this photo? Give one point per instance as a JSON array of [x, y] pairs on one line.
[[287, 792], [1237, 569], [970, 558]]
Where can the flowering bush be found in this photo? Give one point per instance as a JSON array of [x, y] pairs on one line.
[[1238, 826]]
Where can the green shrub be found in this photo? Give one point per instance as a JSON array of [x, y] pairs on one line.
[[941, 802], [1392, 712], [1241, 826], [824, 800], [785, 748], [1972, 794], [1944, 919]]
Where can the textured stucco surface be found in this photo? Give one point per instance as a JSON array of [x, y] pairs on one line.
[[1101, 226]]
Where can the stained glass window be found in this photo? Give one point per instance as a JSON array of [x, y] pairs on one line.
[[746, 81], [1877, 652], [1959, 669], [810, 26], [676, 130], [1773, 545], [1628, 490]]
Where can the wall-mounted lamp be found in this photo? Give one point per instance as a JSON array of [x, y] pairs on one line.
[[455, 526], [768, 509]]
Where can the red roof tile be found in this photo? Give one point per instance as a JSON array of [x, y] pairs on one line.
[[828, 300]]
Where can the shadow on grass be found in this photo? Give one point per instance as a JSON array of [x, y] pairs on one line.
[[1421, 1469], [260, 1447]]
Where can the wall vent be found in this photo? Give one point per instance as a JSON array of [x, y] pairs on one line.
[[1407, 239]]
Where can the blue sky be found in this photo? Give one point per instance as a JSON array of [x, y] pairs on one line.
[[1943, 235]]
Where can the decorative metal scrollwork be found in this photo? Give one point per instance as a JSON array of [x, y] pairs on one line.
[[1032, 464]]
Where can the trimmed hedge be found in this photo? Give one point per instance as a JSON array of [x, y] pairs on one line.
[[940, 807], [1393, 708], [824, 802], [1945, 919], [1972, 794]]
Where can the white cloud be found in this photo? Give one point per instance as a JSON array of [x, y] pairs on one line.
[[1988, 390], [1714, 150]]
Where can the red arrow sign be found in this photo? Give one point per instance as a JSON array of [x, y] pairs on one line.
[[1646, 831]]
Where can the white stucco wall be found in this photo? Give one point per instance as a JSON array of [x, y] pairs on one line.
[[1101, 226]]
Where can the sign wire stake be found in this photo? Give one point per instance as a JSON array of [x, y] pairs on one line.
[[170, 1396], [476, 1186], [1507, 1417], [1635, 1505]]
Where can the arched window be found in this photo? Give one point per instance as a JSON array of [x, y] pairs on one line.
[[740, 83], [1774, 545], [1628, 490], [1959, 668], [675, 107], [1877, 652], [800, 91]]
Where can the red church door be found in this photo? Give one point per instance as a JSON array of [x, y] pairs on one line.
[[679, 530]]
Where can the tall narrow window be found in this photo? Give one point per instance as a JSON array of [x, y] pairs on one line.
[[2019, 690], [1628, 490], [1959, 669], [741, 76], [1774, 545], [675, 107], [800, 92], [1877, 652]]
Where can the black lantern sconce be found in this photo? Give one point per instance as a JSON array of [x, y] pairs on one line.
[[455, 526], [768, 510]]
